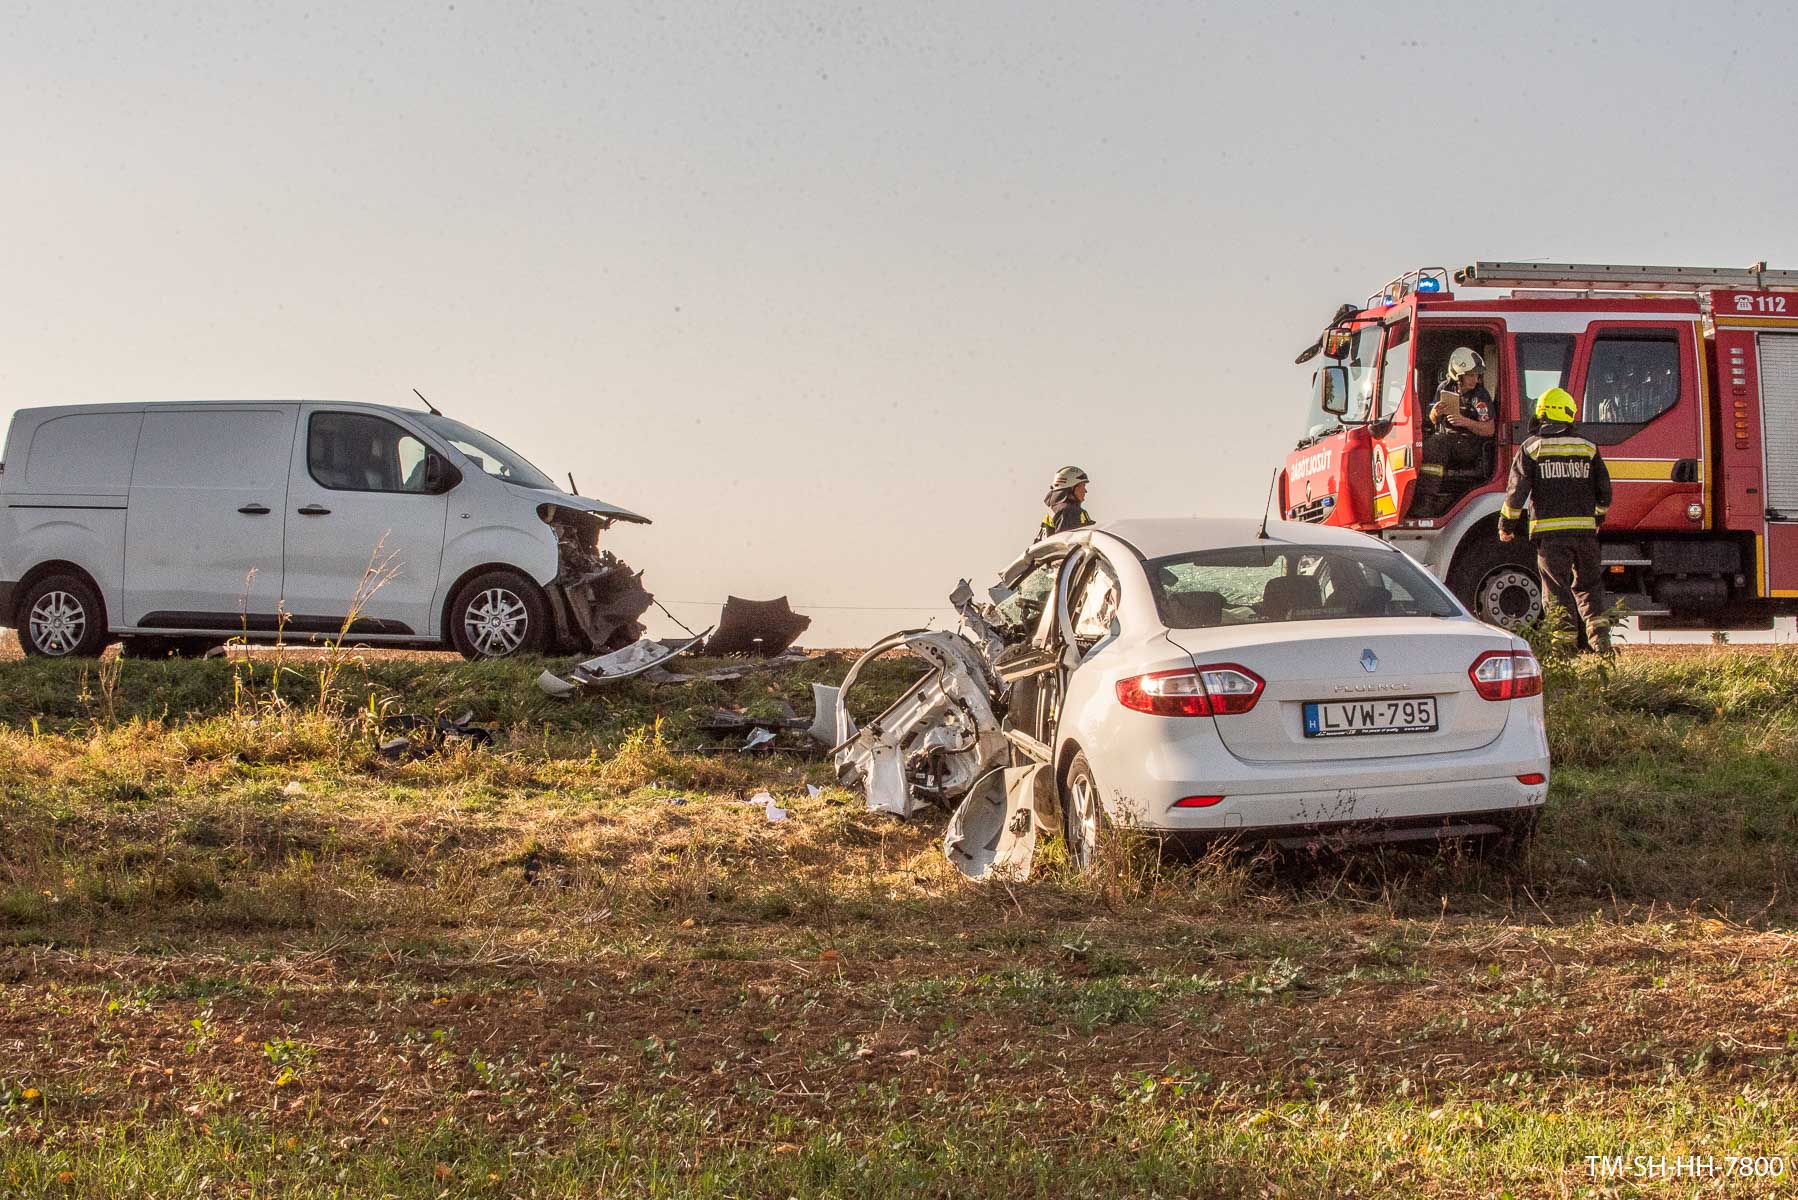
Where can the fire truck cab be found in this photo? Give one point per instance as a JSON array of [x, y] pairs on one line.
[[1686, 379]]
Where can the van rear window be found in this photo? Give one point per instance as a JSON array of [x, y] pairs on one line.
[[82, 454]]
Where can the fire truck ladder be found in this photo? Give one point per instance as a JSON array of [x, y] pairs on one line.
[[1601, 277]]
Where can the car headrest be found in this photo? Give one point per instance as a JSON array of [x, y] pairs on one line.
[[1286, 594], [1195, 610]]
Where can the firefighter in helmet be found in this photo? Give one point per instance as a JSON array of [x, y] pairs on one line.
[[1065, 501], [1460, 427], [1561, 476]]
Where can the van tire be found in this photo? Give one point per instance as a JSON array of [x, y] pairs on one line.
[[508, 614], [1083, 820], [62, 616]]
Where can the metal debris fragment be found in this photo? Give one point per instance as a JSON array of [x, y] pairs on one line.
[[762, 628], [637, 658], [992, 834]]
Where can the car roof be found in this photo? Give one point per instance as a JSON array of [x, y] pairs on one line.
[[1158, 537], [45, 412]]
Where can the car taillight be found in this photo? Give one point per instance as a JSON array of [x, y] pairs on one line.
[[1506, 675], [1224, 689], [1532, 779], [1198, 801]]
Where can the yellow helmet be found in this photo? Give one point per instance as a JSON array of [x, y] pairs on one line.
[[1556, 405]]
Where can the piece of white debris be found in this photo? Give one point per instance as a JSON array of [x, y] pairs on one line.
[[296, 788]]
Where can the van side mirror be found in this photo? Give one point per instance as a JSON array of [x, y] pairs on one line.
[[440, 476], [1332, 390]]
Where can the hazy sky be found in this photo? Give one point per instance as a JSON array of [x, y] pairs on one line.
[[830, 291]]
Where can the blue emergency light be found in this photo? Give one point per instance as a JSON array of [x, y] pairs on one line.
[[1428, 283]]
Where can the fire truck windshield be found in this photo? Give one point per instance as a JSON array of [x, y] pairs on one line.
[[1362, 365]]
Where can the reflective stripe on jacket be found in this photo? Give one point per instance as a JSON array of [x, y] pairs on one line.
[[1562, 479]]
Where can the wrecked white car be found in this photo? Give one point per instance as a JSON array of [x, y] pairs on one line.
[[1192, 677]]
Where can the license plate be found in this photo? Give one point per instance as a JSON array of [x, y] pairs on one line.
[[1345, 718]]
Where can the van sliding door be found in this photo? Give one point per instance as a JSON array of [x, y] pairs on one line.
[[203, 530]]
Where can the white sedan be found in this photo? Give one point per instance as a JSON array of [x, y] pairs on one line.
[[1207, 677]]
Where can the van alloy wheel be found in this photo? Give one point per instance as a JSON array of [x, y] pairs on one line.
[[57, 623], [497, 622]]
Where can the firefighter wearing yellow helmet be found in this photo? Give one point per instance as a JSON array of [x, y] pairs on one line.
[[1066, 502], [1562, 478], [1460, 428]]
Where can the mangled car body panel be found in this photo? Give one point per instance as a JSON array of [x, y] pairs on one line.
[[931, 744]]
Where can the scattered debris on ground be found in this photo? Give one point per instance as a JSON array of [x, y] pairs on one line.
[[415, 736], [639, 657]]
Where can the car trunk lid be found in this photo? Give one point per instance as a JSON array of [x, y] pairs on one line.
[[1326, 662]]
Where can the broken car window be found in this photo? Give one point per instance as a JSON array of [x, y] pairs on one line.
[[1095, 604], [482, 451], [1254, 585], [1019, 612]]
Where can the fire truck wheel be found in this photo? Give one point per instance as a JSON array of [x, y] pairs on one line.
[[1498, 582]]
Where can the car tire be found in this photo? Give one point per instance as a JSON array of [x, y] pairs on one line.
[[1498, 581], [498, 614], [61, 616], [1083, 820]]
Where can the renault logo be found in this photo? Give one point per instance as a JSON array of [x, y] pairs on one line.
[[1370, 662]]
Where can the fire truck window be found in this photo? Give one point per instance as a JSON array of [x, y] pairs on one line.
[[1545, 360], [1395, 372], [1363, 361], [1631, 380]]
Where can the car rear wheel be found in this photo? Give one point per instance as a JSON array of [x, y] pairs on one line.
[[60, 616], [1082, 813], [1497, 580], [497, 615]]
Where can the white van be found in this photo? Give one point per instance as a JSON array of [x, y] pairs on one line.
[[178, 526]]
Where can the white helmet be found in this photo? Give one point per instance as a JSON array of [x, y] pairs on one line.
[[1464, 362], [1068, 477]]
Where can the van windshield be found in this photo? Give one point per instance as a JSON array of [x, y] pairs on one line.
[[497, 460], [1254, 585]]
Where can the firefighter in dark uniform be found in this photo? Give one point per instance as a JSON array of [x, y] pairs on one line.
[[1460, 424], [1563, 479], [1066, 500]]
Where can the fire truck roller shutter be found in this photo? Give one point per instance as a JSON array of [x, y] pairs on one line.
[[1779, 417]]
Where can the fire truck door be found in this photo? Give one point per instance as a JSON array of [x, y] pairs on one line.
[[1778, 356], [1642, 401]]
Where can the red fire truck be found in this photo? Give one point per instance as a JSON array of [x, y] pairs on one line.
[[1686, 377]]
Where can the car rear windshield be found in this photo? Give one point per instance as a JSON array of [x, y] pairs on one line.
[[1253, 585]]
